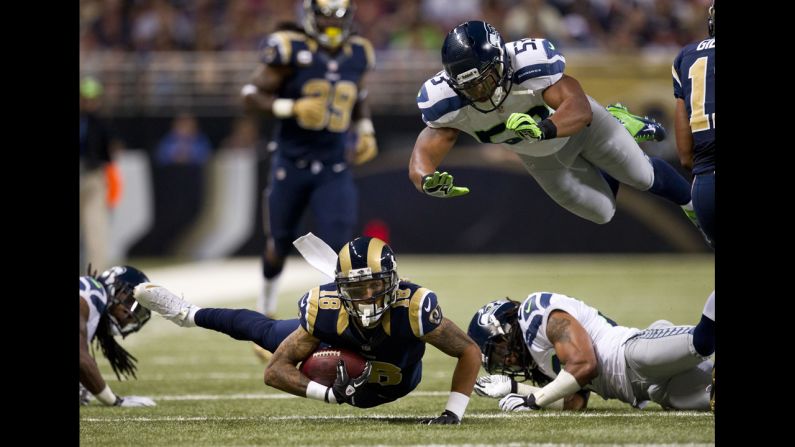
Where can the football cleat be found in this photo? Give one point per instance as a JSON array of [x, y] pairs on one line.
[[691, 214], [166, 303], [641, 128]]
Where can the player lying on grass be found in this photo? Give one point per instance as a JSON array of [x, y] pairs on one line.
[[367, 309], [570, 349]]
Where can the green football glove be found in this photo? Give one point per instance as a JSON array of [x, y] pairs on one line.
[[441, 185], [524, 126]]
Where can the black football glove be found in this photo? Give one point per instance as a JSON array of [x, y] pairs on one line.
[[447, 418], [345, 387]]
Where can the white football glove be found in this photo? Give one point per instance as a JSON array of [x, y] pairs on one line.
[[136, 401], [495, 386], [85, 395], [517, 402]]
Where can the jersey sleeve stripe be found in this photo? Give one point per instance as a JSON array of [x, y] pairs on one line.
[[98, 303], [544, 300], [538, 70], [311, 309], [532, 329], [368, 50], [285, 48], [440, 108], [675, 75], [415, 314]]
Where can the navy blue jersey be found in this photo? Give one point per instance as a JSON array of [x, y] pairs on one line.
[[393, 347], [317, 72], [694, 82]]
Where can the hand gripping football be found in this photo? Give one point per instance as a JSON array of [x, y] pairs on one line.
[[321, 366]]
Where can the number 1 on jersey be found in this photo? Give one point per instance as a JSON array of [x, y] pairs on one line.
[[699, 120]]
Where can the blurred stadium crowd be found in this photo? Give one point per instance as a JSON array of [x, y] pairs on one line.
[[239, 25]]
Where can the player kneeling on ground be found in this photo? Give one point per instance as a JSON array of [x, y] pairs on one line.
[[108, 309], [570, 349]]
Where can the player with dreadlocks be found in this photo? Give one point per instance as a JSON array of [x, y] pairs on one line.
[[107, 309]]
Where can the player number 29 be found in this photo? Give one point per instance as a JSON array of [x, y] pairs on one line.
[[340, 98]]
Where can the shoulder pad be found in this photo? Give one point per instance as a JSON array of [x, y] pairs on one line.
[[424, 312], [280, 47], [367, 47], [536, 63], [439, 103], [532, 314]]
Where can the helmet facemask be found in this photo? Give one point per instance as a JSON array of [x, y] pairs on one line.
[[500, 348], [495, 328], [367, 296], [485, 90], [137, 315], [328, 21], [119, 282]]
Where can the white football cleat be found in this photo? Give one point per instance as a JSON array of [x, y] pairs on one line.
[[166, 303]]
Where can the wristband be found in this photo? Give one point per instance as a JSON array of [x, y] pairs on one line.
[[248, 89], [320, 392], [283, 107], [564, 385], [107, 397], [530, 401], [365, 127], [548, 129]]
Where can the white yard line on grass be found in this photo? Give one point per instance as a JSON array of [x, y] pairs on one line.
[[531, 414]]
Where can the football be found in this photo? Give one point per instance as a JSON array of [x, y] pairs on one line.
[[321, 366]]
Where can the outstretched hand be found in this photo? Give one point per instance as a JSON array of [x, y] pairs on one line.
[[440, 184]]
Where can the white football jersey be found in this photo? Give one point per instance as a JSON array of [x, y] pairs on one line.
[[608, 341], [94, 294], [536, 65]]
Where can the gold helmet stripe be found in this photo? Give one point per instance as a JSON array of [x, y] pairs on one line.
[[333, 3], [344, 259], [374, 251]]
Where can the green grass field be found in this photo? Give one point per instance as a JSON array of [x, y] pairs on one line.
[[209, 388]]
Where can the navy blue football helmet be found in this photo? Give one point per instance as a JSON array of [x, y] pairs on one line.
[[495, 329], [119, 282], [329, 21], [367, 279], [711, 20], [477, 65]]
